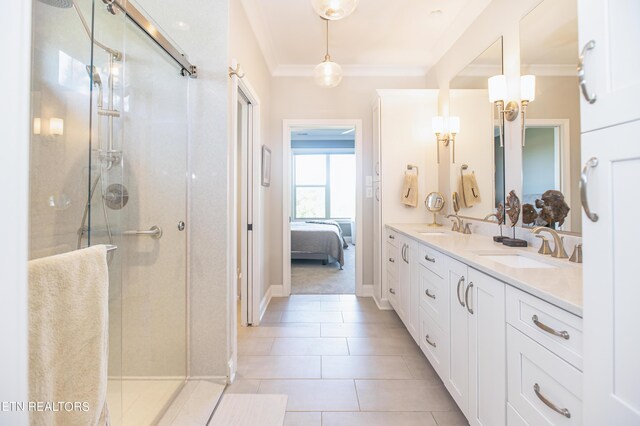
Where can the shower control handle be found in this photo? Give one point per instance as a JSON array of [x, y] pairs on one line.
[[154, 232]]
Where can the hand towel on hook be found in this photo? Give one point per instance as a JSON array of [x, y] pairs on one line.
[[410, 190]]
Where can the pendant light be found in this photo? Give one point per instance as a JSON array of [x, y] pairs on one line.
[[327, 73], [334, 9]]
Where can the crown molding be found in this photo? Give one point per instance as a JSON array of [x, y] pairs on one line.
[[352, 71]]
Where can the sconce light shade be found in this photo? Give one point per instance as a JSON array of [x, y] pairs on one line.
[[334, 9], [437, 125], [454, 125], [56, 126], [327, 74], [528, 88], [497, 88], [37, 126]]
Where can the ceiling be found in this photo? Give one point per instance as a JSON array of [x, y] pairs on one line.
[[394, 38]]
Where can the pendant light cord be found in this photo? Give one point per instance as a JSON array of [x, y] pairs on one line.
[[327, 57]]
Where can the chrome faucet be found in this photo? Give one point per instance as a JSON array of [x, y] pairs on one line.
[[490, 215], [457, 226], [558, 241]]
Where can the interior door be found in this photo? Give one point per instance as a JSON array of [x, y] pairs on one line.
[[243, 190]]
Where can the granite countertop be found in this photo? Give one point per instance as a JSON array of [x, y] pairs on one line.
[[561, 286]]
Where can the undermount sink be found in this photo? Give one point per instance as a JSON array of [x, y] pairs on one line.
[[434, 233], [516, 260]]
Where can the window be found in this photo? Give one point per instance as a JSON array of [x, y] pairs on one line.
[[324, 186]]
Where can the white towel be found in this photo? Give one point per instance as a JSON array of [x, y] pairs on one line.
[[470, 190], [68, 335]]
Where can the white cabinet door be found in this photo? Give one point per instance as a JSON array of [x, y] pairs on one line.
[[457, 378], [414, 297], [611, 289], [404, 281], [612, 66], [485, 300]]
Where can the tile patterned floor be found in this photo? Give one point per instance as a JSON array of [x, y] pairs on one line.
[[342, 362]]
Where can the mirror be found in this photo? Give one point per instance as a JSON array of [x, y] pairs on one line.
[[434, 203], [477, 170], [551, 143]]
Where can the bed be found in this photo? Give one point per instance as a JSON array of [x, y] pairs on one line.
[[318, 240]]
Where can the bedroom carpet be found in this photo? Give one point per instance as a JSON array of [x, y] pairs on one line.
[[311, 277]]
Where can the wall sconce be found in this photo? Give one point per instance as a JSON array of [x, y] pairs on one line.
[[527, 94], [497, 96], [445, 135], [56, 126]]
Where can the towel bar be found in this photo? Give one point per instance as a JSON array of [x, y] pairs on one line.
[[111, 248], [411, 167]]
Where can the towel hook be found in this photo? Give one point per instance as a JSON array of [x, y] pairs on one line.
[[411, 167]]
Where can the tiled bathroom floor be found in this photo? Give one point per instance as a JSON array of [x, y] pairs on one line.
[[341, 361]]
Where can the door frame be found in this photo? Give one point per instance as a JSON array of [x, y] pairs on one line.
[[250, 295], [287, 126]]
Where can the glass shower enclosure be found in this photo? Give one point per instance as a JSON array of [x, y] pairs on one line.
[[108, 166]]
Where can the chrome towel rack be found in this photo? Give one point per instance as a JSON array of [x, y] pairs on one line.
[[154, 232]]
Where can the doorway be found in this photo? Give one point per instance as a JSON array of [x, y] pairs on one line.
[[322, 205]]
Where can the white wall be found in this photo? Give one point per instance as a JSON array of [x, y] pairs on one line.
[[15, 25], [243, 47], [300, 98]]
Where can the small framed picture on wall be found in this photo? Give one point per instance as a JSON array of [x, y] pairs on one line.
[[266, 166]]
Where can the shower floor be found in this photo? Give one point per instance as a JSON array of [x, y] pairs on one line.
[[140, 402]]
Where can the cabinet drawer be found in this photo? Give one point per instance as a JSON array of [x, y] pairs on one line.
[[391, 236], [392, 259], [513, 417], [433, 295], [393, 291], [540, 384], [555, 329], [432, 342], [432, 260]]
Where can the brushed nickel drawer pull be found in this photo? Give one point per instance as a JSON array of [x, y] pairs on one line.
[[542, 326], [429, 259], [588, 96], [429, 341], [391, 237], [541, 397], [460, 282], [466, 297], [392, 260], [583, 184], [392, 291], [433, 296]]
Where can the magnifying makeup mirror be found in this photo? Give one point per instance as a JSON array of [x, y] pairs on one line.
[[434, 203]]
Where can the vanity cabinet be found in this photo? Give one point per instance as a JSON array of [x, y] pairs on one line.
[[477, 367]]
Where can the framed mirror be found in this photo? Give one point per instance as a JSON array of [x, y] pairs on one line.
[[476, 171], [551, 138]]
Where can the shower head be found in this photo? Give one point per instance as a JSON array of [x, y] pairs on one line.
[[93, 74], [97, 81], [62, 4]]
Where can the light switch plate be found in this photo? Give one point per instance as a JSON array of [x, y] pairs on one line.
[[369, 192], [369, 180]]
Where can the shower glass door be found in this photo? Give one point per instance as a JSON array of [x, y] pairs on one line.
[[108, 166], [147, 144]]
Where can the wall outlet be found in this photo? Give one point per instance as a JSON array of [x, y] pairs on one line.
[[369, 192], [368, 180]]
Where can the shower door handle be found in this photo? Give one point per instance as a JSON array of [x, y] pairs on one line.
[[154, 232]]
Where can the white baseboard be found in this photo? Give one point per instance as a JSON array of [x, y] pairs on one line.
[[367, 290], [232, 370], [277, 290], [383, 305], [264, 303]]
